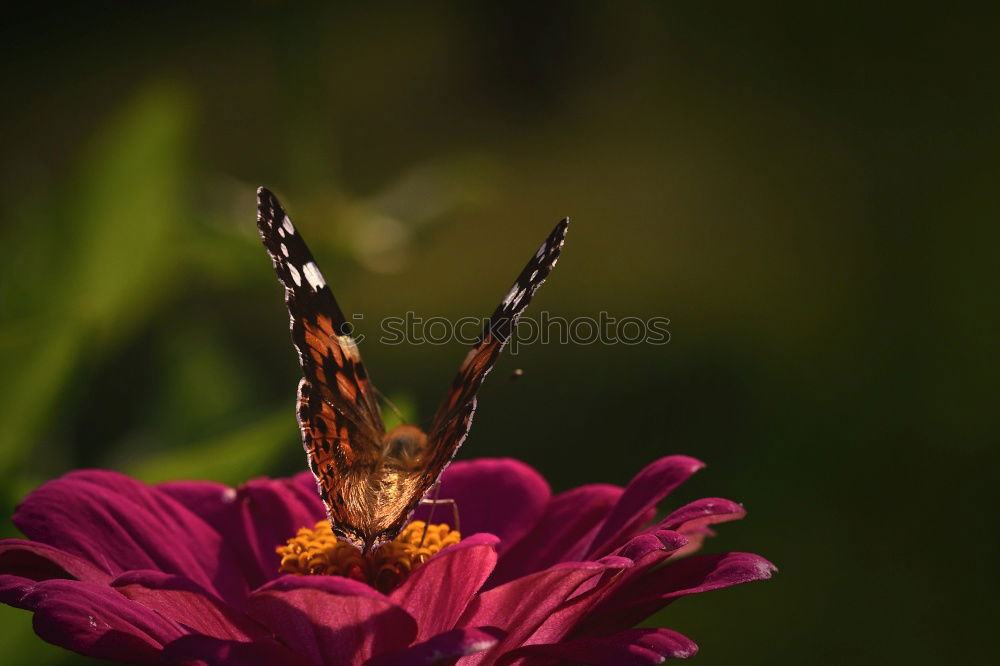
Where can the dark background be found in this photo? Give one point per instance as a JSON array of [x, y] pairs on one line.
[[808, 193]]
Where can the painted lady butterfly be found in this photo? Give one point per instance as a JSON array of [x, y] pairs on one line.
[[372, 480]]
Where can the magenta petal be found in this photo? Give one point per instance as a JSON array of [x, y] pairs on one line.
[[14, 588], [437, 592], [95, 620], [640, 598], [635, 647], [307, 482], [646, 551], [691, 518], [442, 648], [522, 605], [22, 563], [648, 487], [254, 519], [694, 519], [591, 593], [563, 534], [39, 561], [500, 496], [651, 547], [702, 573], [181, 600], [216, 652], [119, 524], [332, 620], [215, 503], [270, 513]]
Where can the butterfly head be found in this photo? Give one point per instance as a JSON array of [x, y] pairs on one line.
[[354, 536], [366, 542], [405, 446]]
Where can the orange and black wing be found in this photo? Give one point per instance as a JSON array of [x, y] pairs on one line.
[[454, 417], [338, 412]]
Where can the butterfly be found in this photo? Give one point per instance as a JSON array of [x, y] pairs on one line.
[[371, 480]]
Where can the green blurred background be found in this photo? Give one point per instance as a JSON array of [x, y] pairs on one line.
[[808, 193]]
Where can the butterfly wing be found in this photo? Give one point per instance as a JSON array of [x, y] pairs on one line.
[[338, 413], [454, 417]]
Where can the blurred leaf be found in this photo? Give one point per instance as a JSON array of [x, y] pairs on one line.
[[407, 410], [232, 458], [36, 373], [130, 198], [127, 198], [201, 382]]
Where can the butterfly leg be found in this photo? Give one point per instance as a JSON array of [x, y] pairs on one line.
[[433, 504], [454, 509]]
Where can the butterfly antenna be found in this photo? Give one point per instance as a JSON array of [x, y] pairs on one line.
[[392, 406]]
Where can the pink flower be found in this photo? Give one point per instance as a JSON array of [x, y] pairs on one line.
[[117, 569]]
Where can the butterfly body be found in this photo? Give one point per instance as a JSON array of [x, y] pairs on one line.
[[371, 480]]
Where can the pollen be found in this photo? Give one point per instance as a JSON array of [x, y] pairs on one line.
[[318, 552]]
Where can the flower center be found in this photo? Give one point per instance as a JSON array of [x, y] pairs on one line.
[[318, 551]]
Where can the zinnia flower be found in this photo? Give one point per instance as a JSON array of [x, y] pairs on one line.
[[189, 571]]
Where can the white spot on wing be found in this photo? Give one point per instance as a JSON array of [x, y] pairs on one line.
[[349, 345], [541, 251], [284, 249], [511, 294], [313, 276], [286, 224], [533, 274], [295, 275]]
